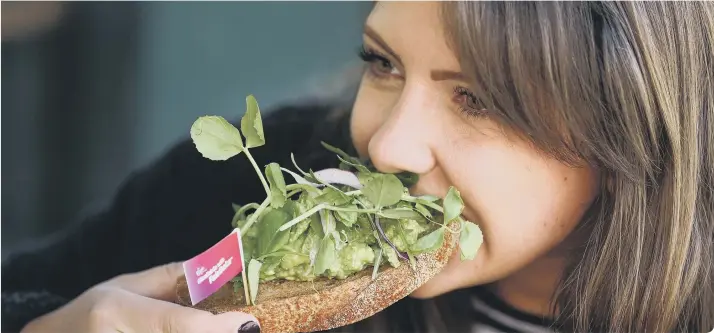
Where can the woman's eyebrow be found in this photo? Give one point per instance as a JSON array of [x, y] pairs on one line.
[[436, 74], [372, 34], [441, 75]]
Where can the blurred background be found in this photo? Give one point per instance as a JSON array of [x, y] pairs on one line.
[[94, 90]]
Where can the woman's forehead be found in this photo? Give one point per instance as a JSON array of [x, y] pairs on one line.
[[414, 32]]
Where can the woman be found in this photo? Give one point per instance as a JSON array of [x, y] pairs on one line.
[[580, 135]]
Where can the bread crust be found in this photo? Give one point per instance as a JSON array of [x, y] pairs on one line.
[[291, 307]]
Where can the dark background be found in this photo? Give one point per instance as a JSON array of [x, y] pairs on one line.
[[94, 90]]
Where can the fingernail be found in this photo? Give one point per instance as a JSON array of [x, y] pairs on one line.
[[249, 327]]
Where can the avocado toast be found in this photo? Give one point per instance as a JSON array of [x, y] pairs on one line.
[[334, 247]]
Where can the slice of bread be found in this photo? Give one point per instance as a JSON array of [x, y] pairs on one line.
[[291, 306]]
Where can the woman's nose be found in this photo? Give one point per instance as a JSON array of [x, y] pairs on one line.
[[403, 142]]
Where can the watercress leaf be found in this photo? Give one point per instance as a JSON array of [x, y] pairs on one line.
[[333, 197], [364, 177], [400, 213], [453, 205], [470, 240], [328, 222], [341, 153], [280, 254], [292, 158], [316, 225], [326, 255], [253, 278], [275, 178], [427, 198], [300, 180], [252, 125], [302, 226], [423, 210], [355, 164], [346, 217], [344, 166], [377, 262], [269, 236], [299, 230], [310, 176], [339, 243], [236, 207], [215, 138], [237, 216], [430, 242], [281, 239], [240, 217], [383, 190]]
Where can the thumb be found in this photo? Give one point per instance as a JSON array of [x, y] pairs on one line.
[[149, 315], [187, 320], [158, 282]]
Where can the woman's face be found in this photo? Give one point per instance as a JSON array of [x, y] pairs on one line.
[[414, 113]]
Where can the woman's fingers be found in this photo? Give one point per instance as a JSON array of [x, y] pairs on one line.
[[145, 308], [158, 282], [128, 312], [137, 303]]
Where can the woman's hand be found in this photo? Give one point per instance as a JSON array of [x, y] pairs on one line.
[[139, 302]]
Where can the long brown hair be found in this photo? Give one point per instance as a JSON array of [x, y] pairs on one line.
[[628, 88]]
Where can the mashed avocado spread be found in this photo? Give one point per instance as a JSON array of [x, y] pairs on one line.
[[355, 243]]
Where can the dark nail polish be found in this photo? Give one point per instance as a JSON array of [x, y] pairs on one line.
[[249, 327]]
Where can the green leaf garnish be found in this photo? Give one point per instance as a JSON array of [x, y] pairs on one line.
[[430, 242], [427, 198], [278, 191], [356, 166], [423, 211], [348, 218], [470, 240], [377, 261], [215, 138], [383, 190], [332, 197], [269, 238], [341, 153], [326, 255], [253, 273], [400, 213], [252, 124], [453, 205], [316, 225]]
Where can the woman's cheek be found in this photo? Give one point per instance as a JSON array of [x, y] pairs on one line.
[[525, 205]]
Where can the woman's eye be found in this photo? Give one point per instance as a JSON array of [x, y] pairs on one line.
[[379, 65], [468, 102]]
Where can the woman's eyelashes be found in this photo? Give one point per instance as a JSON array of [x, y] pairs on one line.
[[468, 102], [379, 66]]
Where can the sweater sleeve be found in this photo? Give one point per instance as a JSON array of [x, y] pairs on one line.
[[169, 211]]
